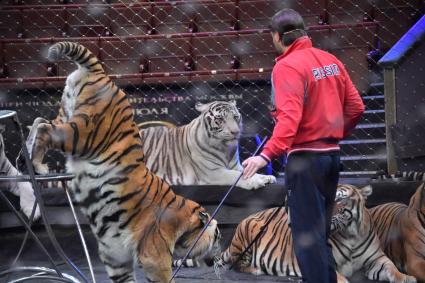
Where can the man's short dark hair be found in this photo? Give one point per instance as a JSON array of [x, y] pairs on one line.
[[289, 25]]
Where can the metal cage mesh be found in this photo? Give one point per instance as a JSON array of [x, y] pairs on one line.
[[168, 55]]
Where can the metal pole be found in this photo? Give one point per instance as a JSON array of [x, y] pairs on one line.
[[80, 232], [390, 118], [33, 235], [42, 274]]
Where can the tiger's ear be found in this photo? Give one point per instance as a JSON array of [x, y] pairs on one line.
[[232, 102], [2, 128], [366, 191], [203, 216], [201, 107]]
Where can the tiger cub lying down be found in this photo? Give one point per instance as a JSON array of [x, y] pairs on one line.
[[355, 244], [401, 229], [203, 152], [21, 189], [134, 214]]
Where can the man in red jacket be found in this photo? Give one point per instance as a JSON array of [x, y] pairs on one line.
[[315, 106]]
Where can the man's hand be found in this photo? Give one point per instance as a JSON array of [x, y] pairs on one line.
[[251, 166]]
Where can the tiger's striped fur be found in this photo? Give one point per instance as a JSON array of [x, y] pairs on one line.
[[401, 230], [23, 190], [134, 214], [354, 242], [203, 152]]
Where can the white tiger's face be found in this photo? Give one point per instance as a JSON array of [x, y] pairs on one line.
[[223, 121]]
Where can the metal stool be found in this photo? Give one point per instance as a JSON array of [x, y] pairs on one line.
[[41, 273]]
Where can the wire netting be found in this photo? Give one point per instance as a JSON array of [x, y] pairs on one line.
[[168, 55]]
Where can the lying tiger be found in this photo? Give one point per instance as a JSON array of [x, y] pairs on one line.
[[355, 244], [401, 229], [203, 152], [21, 189], [133, 213]]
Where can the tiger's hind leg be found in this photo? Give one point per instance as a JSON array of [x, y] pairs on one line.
[[156, 260], [118, 271], [120, 274], [157, 268]]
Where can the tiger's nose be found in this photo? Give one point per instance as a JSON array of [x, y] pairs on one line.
[[235, 132]]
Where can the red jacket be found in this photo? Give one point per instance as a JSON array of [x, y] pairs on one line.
[[316, 103]]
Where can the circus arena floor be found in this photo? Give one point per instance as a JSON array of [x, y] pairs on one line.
[[32, 256]]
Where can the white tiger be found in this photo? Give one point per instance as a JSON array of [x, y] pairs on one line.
[[21, 189], [203, 152]]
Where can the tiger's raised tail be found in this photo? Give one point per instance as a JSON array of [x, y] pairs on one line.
[[77, 53]]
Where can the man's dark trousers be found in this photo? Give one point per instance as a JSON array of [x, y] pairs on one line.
[[311, 180]]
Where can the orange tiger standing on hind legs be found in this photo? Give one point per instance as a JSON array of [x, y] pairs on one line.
[[133, 214], [401, 230]]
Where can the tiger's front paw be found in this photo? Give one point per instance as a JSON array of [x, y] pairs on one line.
[[341, 279], [27, 209], [259, 181], [20, 163], [395, 276], [40, 168], [27, 200], [409, 279]]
